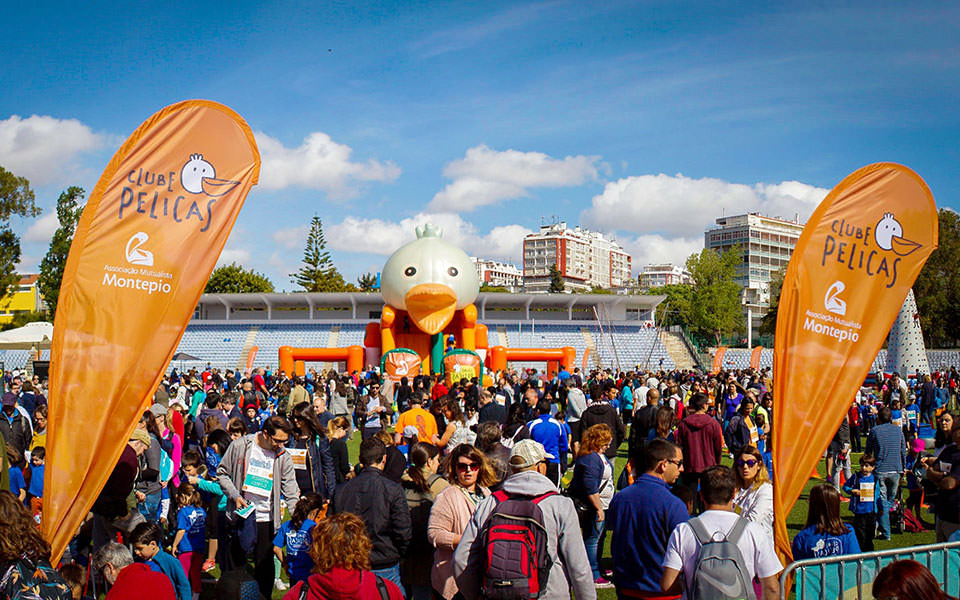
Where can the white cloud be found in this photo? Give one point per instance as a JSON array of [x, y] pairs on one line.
[[240, 256], [41, 147], [377, 236], [43, 228], [485, 176], [684, 207], [655, 249], [318, 163], [291, 238], [28, 264]]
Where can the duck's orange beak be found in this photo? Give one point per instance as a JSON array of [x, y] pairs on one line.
[[217, 187], [902, 246], [431, 306]]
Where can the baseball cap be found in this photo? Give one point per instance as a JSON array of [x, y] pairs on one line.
[[410, 431], [140, 435], [158, 410], [527, 453], [9, 399]]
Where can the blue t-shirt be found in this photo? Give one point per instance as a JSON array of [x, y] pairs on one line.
[[17, 482], [193, 521], [36, 481], [810, 544], [296, 542]]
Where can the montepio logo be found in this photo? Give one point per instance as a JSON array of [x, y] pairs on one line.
[[876, 250], [145, 280], [135, 254], [832, 300], [184, 197]]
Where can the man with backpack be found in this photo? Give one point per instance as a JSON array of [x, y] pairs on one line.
[[719, 552], [528, 501]]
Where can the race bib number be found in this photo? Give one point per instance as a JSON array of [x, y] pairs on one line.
[[898, 422], [867, 491], [911, 415], [945, 467], [246, 511], [754, 436], [259, 481], [299, 458]]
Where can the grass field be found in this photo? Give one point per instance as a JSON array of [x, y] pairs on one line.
[[795, 521]]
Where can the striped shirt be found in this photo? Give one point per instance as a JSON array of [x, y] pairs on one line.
[[887, 445]]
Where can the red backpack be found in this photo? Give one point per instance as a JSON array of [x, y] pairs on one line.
[[514, 540]]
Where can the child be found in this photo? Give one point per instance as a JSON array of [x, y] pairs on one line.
[[862, 490], [910, 415], [76, 577], [35, 490], [145, 540], [18, 485], [190, 540], [194, 470], [915, 499], [294, 535]]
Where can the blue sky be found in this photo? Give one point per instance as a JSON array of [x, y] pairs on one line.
[[641, 119]]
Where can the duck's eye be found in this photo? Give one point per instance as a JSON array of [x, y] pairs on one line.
[[410, 271], [453, 272]]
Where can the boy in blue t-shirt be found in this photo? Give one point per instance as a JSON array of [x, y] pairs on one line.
[[862, 488], [18, 485], [145, 540]]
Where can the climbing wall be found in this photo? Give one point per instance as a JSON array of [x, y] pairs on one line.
[[905, 351]]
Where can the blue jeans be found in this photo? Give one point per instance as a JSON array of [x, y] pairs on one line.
[[150, 507], [390, 574], [591, 541], [887, 492]]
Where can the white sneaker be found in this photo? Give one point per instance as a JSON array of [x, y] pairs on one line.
[[281, 584]]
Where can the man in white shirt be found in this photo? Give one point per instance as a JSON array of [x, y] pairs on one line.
[[717, 486]]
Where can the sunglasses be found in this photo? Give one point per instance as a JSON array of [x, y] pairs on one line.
[[277, 442], [747, 462], [464, 467]]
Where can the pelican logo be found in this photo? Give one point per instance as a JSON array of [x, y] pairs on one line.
[[134, 254], [889, 236], [875, 249], [832, 301], [199, 177]]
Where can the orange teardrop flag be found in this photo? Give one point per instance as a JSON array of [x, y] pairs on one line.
[[718, 359], [853, 265], [755, 355], [143, 250]]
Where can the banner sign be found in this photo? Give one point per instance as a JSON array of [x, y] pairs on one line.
[[462, 364], [853, 265], [755, 355], [399, 363], [143, 250], [718, 359]]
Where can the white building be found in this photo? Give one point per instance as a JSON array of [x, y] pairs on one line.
[[665, 274], [586, 259], [498, 274], [766, 245]]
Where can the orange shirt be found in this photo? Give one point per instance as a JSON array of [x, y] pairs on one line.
[[422, 420]]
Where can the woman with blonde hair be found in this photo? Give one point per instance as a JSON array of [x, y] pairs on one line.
[[754, 497], [592, 488], [338, 429], [341, 556], [470, 475]]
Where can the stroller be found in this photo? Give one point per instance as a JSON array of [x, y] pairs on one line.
[[897, 518]]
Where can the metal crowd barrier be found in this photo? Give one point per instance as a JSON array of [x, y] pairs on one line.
[[850, 576]]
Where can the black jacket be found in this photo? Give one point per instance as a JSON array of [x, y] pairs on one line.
[[605, 413], [320, 475], [383, 507], [492, 411], [16, 432], [644, 420]]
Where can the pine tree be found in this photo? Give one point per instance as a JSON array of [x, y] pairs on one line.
[[318, 273], [69, 210], [556, 280]]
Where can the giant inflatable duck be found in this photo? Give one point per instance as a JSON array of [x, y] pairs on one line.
[[428, 284]]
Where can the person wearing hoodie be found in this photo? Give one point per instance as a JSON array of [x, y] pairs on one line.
[[341, 555], [701, 439], [528, 461], [211, 408], [601, 410]]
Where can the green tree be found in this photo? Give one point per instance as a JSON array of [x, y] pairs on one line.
[[937, 288], [22, 318], [675, 310], [768, 326], [556, 280], [16, 198], [234, 279], [69, 209], [367, 282], [318, 273], [493, 288], [715, 308], [601, 290]]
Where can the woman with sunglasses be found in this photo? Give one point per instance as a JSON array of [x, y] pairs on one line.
[[470, 475], [754, 497]]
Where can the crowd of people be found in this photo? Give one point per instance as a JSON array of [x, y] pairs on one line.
[[465, 491]]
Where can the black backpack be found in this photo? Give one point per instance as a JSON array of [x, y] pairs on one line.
[[514, 542]]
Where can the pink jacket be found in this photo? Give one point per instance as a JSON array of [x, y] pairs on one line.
[[449, 517]]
